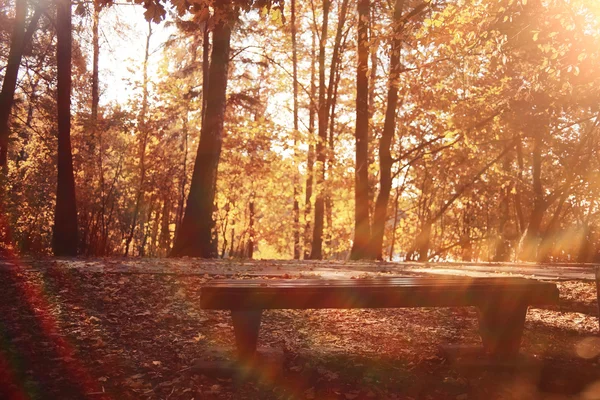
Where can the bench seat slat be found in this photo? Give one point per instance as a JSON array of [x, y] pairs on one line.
[[374, 293]]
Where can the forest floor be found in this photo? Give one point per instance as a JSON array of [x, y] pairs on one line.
[[121, 329]]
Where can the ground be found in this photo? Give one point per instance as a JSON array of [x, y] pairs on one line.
[[118, 329]]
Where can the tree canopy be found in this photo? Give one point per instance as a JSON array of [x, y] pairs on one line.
[[440, 129]]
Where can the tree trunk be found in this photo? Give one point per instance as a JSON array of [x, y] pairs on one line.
[[183, 179], [374, 57], [395, 225], [362, 228], [385, 144], [165, 234], [530, 242], [296, 207], [197, 237], [422, 241], [231, 246], [205, 67], [96, 58], [249, 253], [9, 85], [502, 247], [19, 39], [143, 144], [310, 158], [64, 239], [317, 239]]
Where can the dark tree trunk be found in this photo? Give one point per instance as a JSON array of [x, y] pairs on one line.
[[231, 246], [362, 228], [6, 100], [423, 240], [96, 59], [311, 154], [517, 195], [9, 84], [197, 236], [183, 179], [395, 225], [64, 239], [389, 128], [296, 206], [502, 250], [18, 40], [530, 241], [205, 67], [249, 253], [165, 235], [317, 239], [374, 57]]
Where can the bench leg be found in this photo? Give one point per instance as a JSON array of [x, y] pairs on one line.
[[501, 328], [246, 324]]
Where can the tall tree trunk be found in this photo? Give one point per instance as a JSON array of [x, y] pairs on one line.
[[296, 206], [9, 84], [231, 246], [249, 253], [502, 248], [517, 195], [311, 154], [165, 235], [64, 239], [385, 144], [423, 240], [183, 179], [395, 225], [95, 62], [530, 241], [374, 57], [362, 228], [317, 239], [197, 235], [143, 144], [205, 67], [18, 40], [6, 100]]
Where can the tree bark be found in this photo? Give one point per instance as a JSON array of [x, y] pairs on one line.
[[165, 234], [9, 84], [387, 136], [205, 67], [317, 239], [362, 228], [64, 239], [502, 248], [95, 61], [197, 237], [296, 206], [18, 40], [530, 242], [249, 253], [310, 157]]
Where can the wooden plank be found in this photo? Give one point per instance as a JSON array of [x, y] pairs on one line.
[[374, 293]]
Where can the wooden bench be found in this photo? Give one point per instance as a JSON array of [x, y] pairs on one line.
[[502, 302]]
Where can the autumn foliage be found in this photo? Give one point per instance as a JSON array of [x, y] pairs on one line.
[[404, 130]]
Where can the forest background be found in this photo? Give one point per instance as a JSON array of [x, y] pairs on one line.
[[402, 130]]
